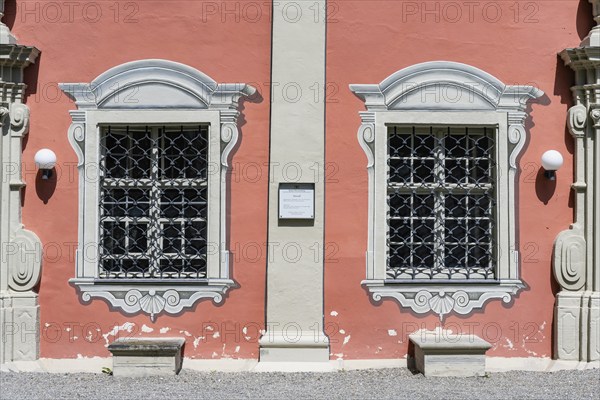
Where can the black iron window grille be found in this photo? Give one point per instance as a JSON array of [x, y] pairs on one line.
[[441, 198], [153, 202]]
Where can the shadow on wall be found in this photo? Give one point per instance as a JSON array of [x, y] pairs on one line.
[[30, 77], [45, 187], [544, 187], [585, 22], [10, 13]]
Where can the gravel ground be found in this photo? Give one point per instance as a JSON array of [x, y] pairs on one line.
[[365, 384]]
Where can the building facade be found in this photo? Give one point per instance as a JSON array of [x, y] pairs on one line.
[[299, 181]]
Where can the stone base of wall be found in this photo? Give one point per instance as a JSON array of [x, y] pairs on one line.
[[577, 326], [19, 327]]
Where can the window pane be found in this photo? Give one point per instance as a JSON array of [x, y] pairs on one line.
[[441, 200], [424, 171], [400, 170], [456, 145], [424, 145], [455, 171], [114, 234], [153, 202], [184, 153], [127, 153]]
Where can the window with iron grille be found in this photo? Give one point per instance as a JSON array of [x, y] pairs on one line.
[[154, 140], [443, 141], [441, 200], [153, 202]]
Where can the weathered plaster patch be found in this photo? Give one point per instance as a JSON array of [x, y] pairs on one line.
[[197, 341], [126, 327], [164, 330], [333, 313], [346, 340], [392, 332], [147, 329]]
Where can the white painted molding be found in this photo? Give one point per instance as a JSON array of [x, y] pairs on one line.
[[444, 85], [154, 92], [155, 84], [20, 249], [576, 261], [95, 365], [443, 299], [153, 299], [24, 258], [443, 93]]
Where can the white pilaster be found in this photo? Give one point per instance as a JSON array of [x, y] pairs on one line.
[[20, 249], [577, 250], [294, 330]]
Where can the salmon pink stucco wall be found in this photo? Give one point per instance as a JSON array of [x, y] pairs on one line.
[[369, 40], [79, 44]]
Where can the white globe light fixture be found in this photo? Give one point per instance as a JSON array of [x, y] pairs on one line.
[[45, 159], [552, 160]]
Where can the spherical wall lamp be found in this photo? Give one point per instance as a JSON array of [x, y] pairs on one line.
[[552, 160], [45, 159]]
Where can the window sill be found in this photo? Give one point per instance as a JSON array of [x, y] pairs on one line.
[[443, 298], [153, 298]]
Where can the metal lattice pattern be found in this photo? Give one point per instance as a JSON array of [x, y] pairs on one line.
[[153, 202], [441, 203]]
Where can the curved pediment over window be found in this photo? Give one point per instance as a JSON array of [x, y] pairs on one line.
[[155, 84], [443, 85]]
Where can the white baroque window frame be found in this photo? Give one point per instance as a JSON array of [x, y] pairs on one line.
[[443, 93], [153, 92]]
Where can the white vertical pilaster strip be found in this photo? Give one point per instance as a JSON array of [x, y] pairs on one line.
[[294, 329], [20, 249], [577, 250]]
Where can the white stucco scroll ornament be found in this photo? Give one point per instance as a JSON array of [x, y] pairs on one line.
[[22, 251], [154, 92], [569, 264], [443, 93]]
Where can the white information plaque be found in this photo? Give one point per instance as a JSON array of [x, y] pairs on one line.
[[296, 202]]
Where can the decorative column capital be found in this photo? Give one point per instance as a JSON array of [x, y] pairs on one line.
[[576, 120], [229, 134], [19, 119], [595, 115], [3, 114], [516, 135], [366, 136]]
